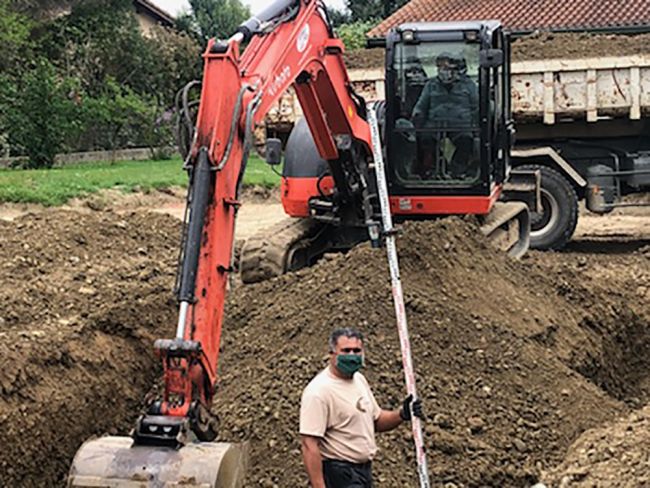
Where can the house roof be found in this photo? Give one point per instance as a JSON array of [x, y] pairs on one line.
[[525, 15], [148, 7]]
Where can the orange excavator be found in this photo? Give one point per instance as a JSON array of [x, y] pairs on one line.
[[329, 189]]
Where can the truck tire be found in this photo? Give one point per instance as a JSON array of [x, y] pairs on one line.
[[553, 227]]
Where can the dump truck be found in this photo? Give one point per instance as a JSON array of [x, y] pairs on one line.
[[582, 122]]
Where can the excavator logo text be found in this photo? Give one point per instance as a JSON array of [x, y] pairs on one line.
[[280, 79]]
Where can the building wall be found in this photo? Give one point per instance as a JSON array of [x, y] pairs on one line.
[[146, 23]]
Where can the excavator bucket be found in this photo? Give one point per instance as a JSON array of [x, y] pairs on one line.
[[507, 227], [116, 463]]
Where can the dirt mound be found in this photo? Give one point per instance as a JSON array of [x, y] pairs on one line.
[[365, 58], [515, 359], [541, 45], [615, 455], [548, 45], [498, 347], [83, 297]]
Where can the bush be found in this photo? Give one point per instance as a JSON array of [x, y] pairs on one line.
[[354, 35], [41, 116], [113, 118]]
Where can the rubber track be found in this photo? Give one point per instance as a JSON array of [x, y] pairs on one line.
[[264, 255]]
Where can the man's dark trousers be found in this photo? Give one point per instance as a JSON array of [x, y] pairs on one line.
[[342, 474]]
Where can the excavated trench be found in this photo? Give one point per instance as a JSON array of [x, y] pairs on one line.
[[623, 367], [515, 360]]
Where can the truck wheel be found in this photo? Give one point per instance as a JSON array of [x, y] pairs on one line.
[[554, 225]]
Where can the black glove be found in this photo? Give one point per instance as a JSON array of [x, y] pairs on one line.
[[405, 411]]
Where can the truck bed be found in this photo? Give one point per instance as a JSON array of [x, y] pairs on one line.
[[587, 88], [543, 91]]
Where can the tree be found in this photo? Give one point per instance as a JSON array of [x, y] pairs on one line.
[[173, 59], [79, 75], [338, 17], [116, 117], [213, 18], [369, 10], [353, 35], [42, 115], [43, 9], [14, 36]]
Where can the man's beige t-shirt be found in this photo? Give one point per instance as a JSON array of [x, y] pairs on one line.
[[342, 413]]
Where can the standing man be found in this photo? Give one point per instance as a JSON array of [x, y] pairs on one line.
[[339, 417]]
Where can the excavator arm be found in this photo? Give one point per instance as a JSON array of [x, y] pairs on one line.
[[289, 44]]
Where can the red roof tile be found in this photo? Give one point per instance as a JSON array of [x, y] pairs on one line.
[[525, 15]]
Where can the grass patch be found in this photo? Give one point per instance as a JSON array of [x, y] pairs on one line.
[[56, 186]]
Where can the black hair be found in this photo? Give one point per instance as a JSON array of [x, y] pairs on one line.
[[343, 332]]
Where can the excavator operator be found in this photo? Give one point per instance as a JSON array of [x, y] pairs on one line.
[[447, 109]]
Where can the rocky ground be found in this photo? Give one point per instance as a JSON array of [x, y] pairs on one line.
[[522, 366]]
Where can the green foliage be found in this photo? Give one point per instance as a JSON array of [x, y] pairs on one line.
[[173, 59], [213, 18], [354, 35], [124, 83], [41, 116], [14, 36], [115, 116], [43, 9], [368, 10], [365, 10], [99, 39], [338, 17]]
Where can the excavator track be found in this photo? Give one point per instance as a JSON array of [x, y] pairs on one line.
[[275, 250]]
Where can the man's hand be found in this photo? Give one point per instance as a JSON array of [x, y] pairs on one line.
[[418, 120], [408, 405]]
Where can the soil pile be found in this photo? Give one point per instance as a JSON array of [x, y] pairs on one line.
[[503, 353], [548, 45], [615, 455], [541, 45], [515, 359], [365, 58], [82, 298]]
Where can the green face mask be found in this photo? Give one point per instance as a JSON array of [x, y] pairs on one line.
[[349, 364]]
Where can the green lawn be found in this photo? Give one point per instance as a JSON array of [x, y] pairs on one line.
[[56, 186]]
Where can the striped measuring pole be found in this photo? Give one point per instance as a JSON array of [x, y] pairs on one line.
[[398, 296]]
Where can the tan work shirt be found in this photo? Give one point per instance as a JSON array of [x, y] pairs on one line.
[[342, 412]]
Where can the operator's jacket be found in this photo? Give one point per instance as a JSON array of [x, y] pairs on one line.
[[453, 105]]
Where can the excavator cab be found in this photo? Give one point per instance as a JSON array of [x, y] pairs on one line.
[[446, 132], [447, 122]]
